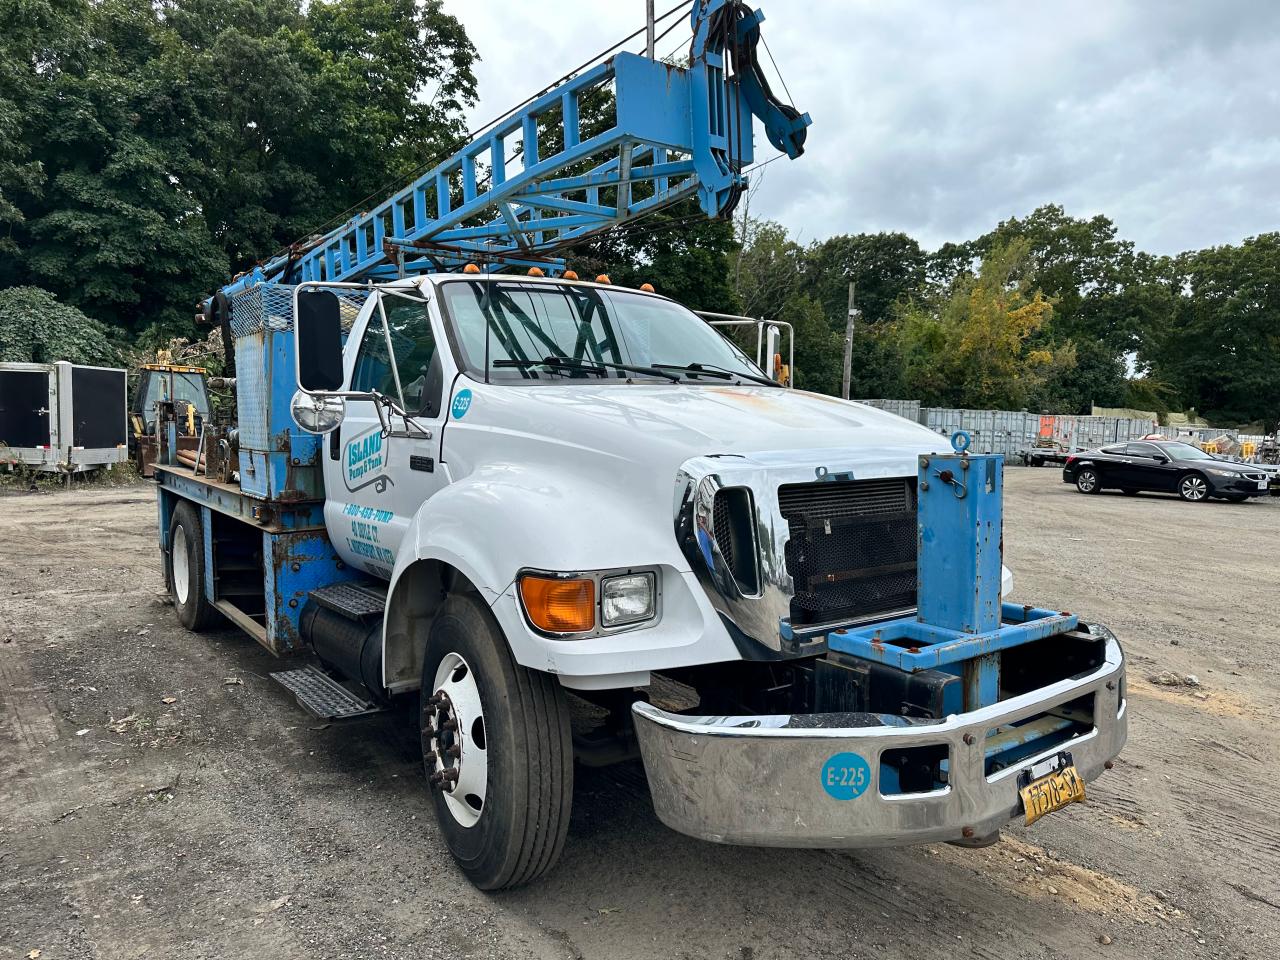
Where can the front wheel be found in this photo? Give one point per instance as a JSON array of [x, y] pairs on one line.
[[497, 749], [1194, 488], [1087, 481]]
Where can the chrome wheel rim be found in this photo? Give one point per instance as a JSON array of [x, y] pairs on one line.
[[457, 757], [181, 566], [1193, 488], [1086, 482]]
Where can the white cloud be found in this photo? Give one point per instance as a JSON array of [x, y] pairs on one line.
[[939, 119]]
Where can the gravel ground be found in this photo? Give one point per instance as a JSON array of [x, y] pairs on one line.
[[161, 797]]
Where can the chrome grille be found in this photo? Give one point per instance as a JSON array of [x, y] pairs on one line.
[[852, 548]]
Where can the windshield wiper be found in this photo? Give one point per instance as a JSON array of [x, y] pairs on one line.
[[598, 367], [718, 373]]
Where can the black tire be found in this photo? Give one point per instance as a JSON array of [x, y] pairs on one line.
[[195, 612], [528, 749], [1129, 491], [1088, 480], [1193, 488]]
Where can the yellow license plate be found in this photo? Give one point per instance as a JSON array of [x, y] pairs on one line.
[[1052, 793]]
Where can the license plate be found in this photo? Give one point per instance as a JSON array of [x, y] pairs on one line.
[[1052, 792], [1262, 484]]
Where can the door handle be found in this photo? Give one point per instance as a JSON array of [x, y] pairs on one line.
[[335, 444]]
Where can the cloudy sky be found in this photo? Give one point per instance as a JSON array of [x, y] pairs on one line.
[[942, 118]]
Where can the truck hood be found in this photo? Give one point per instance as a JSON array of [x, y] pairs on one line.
[[641, 423]]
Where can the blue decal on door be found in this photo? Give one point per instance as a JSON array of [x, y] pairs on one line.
[[845, 776], [461, 404]]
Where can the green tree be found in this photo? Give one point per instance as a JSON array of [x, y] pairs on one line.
[[185, 139], [1102, 300], [1219, 350], [969, 345], [885, 268], [36, 328], [36, 35], [768, 268]]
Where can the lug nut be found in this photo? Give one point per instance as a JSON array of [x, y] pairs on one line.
[[430, 757], [455, 751], [450, 775], [449, 725]]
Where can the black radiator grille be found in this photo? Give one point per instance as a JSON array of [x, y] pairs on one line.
[[852, 551]]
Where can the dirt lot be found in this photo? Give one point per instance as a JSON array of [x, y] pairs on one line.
[[161, 797]]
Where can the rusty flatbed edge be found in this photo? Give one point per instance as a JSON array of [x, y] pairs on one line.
[[230, 500]]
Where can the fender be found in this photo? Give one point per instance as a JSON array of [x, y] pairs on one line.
[[503, 518]]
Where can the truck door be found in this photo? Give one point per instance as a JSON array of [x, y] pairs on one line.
[[375, 480]]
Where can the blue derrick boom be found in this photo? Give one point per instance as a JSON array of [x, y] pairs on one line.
[[543, 177]]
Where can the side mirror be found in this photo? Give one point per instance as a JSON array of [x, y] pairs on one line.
[[318, 338], [1160, 458], [317, 414]]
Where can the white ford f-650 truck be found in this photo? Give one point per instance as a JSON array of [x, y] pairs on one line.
[[541, 491], [458, 474]]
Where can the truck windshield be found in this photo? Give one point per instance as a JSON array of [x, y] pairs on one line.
[[506, 329]]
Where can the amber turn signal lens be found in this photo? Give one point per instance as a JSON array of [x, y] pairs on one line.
[[559, 606]]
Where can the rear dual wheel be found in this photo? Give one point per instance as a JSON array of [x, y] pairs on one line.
[[184, 569], [497, 750]]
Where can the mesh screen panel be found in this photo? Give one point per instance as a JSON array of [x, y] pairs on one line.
[[852, 551]]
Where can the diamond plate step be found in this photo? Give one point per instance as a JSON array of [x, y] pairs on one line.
[[323, 696], [354, 600]]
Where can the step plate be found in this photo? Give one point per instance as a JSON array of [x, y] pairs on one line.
[[323, 696], [352, 600]]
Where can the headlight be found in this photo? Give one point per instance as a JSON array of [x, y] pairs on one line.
[[1223, 473], [626, 599]]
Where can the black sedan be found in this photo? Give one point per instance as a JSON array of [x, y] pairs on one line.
[[1163, 466]]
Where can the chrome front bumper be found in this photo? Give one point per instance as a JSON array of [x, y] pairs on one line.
[[770, 780]]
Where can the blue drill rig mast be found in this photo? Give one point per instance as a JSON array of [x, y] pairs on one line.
[[543, 178]]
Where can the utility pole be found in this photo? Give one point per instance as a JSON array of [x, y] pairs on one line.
[[848, 343], [648, 29]]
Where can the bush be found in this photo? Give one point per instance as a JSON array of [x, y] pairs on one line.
[[36, 328]]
